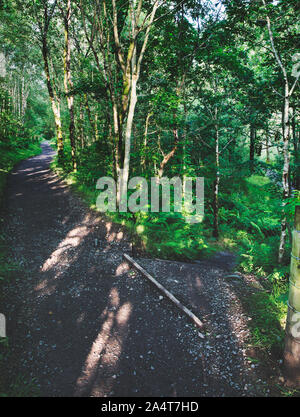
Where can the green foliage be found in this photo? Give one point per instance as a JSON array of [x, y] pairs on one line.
[[250, 217], [167, 236], [291, 203], [268, 310]]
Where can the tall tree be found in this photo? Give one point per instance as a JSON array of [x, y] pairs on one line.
[[66, 13], [44, 12]]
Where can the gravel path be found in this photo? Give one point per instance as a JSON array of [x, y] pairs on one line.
[[80, 323]]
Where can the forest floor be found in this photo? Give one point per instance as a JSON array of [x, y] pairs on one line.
[[81, 323]]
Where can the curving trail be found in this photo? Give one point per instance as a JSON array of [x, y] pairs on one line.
[[81, 324]]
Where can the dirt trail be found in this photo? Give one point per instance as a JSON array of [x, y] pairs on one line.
[[81, 324]]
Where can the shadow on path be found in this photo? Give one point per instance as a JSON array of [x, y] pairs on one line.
[[81, 324]]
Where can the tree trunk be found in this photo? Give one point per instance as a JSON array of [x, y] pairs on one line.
[[216, 186], [252, 146], [54, 102], [170, 154], [128, 130], [96, 128], [144, 159], [285, 171], [285, 135], [81, 124], [68, 84], [296, 143], [267, 146]]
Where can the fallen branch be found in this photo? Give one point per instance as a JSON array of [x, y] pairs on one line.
[[165, 292]]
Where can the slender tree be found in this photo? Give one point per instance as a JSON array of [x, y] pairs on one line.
[[285, 122], [66, 12]]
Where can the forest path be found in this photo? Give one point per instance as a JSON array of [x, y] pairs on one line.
[[81, 324]]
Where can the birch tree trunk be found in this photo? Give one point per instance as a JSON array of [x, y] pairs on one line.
[[296, 144], [285, 136], [128, 130], [144, 159], [286, 167], [119, 65], [216, 182]]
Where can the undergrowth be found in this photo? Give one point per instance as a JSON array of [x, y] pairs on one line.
[[250, 213], [10, 155]]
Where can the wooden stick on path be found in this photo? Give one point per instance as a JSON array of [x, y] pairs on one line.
[[165, 292]]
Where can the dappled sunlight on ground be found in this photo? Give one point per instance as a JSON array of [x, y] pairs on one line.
[[121, 269], [63, 255], [198, 283], [101, 364]]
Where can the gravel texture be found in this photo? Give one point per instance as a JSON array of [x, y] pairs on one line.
[[81, 323]]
